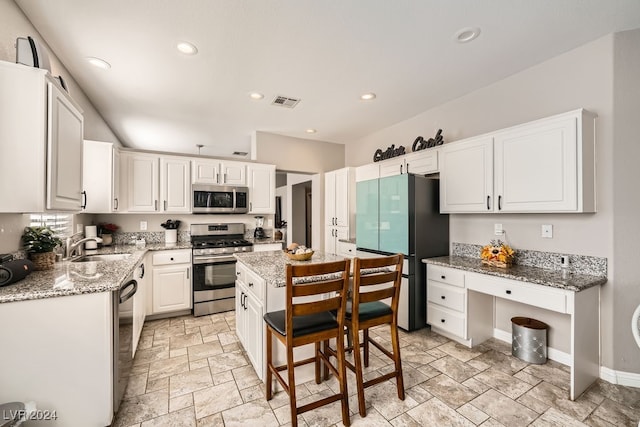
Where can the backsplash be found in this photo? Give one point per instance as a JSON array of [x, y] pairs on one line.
[[580, 264]]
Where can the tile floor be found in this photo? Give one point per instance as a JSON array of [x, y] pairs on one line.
[[192, 372]]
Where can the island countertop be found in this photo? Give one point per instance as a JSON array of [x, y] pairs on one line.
[[552, 278], [75, 278], [271, 265]]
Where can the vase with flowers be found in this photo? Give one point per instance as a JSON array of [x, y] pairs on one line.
[[106, 230], [171, 230]]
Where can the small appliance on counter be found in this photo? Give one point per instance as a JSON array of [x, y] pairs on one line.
[[12, 270], [258, 233]]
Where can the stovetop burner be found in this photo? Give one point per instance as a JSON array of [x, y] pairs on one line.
[[218, 239], [220, 243]]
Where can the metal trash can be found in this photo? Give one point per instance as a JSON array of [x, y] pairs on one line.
[[529, 340]]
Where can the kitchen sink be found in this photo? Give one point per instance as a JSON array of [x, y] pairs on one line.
[[105, 257]]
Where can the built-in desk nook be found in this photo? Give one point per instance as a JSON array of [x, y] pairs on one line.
[[461, 295]]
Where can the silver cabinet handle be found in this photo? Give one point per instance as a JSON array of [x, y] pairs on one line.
[[155, 205], [488, 205], [407, 167], [115, 204], [225, 178], [165, 205], [250, 206], [188, 273]]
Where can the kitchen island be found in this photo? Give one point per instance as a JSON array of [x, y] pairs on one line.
[[260, 288]]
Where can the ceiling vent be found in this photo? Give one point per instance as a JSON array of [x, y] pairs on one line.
[[285, 101]]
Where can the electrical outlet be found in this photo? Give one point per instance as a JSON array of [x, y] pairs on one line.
[[497, 229], [547, 231], [143, 225], [564, 261], [269, 222]]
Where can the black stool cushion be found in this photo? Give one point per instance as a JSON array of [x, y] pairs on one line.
[[302, 325], [369, 310]]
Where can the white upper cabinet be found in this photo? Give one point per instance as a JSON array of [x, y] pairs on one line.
[[546, 165], [175, 188], [420, 162], [338, 199], [367, 172], [543, 166], [41, 132], [393, 166], [211, 171], [466, 176], [152, 183], [262, 188], [100, 176]]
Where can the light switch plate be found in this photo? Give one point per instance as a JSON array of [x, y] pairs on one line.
[[497, 229], [547, 231], [143, 225]]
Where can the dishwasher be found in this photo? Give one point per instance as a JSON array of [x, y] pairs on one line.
[[123, 332]]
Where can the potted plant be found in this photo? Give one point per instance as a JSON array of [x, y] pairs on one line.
[[39, 243], [106, 231]]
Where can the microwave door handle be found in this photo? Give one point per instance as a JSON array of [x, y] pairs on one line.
[[235, 201], [208, 199]]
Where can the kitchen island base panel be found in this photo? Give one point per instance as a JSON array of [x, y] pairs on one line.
[[58, 353]]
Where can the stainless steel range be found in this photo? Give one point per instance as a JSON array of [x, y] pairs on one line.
[[214, 266]]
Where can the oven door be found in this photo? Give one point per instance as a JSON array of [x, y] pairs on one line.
[[214, 281]]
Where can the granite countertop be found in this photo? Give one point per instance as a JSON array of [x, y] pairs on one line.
[[271, 265], [553, 278], [75, 278]]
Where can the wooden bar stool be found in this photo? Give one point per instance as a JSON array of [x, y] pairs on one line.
[[365, 310], [310, 319]]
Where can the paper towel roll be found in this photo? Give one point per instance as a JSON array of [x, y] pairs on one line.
[[90, 231]]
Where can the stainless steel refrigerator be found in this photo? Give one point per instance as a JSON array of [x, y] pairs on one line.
[[401, 214]]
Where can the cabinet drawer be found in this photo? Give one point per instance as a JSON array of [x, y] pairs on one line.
[[446, 275], [446, 295], [241, 272], [172, 257], [531, 294], [255, 285], [446, 320]]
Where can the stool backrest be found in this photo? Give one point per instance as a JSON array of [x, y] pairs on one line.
[[319, 280], [363, 279]]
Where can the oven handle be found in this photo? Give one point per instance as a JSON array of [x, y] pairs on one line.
[[198, 259]]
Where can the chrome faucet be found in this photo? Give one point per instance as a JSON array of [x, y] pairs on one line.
[[71, 247]]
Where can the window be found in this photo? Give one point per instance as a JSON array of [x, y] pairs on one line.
[[59, 222]]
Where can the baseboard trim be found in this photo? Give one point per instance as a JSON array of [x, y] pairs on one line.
[[552, 353], [628, 379]]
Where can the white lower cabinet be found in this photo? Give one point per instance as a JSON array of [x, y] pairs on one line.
[[139, 304], [249, 313], [447, 301], [332, 237], [170, 281]]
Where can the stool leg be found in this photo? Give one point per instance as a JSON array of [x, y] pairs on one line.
[[269, 377], [292, 387], [395, 343], [349, 341], [357, 361], [342, 370], [325, 369], [318, 362]]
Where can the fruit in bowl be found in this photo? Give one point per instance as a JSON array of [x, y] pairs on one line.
[[298, 252]]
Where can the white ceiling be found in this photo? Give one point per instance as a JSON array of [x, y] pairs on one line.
[[326, 52]]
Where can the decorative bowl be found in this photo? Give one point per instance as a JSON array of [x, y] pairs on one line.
[[299, 257]]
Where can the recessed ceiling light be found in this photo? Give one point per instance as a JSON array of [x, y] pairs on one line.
[[368, 96], [100, 63], [311, 131], [467, 34], [256, 95], [187, 48]]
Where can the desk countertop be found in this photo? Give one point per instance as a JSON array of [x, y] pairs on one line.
[[553, 278]]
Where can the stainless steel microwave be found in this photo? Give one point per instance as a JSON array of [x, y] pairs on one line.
[[220, 199]]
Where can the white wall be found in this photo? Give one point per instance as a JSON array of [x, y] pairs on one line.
[[317, 198], [581, 78]]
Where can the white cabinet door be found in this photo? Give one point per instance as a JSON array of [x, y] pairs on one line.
[[330, 198], [393, 166], [330, 240], [115, 201], [234, 173], [171, 289], [139, 305], [536, 167], [212, 171], [466, 176], [64, 152], [254, 333], [98, 176], [175, 186], [367, 172], [343, 186], [262, 188], [240, 313], [422, 162], [140, 176]]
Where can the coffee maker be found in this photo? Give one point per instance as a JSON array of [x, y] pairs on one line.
[[258, 233]]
